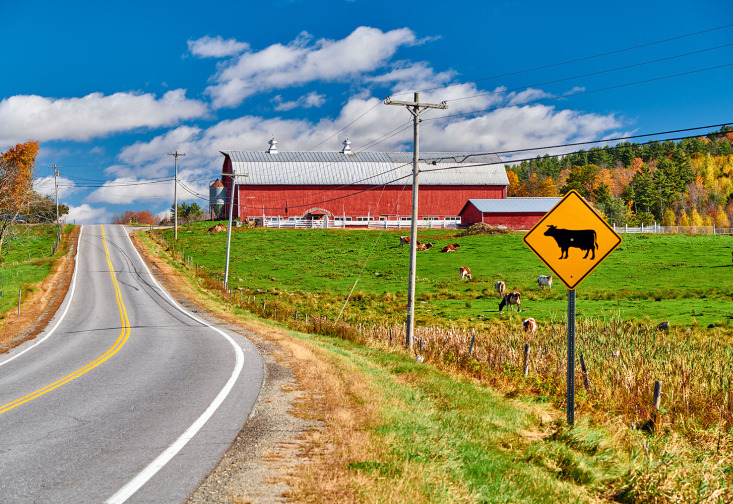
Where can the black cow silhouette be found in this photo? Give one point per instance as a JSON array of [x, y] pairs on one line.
[[584, 239]]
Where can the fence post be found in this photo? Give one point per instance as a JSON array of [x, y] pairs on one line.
[[586, 383], [525, 364], [19, 291], [655, 403], [473, 338]]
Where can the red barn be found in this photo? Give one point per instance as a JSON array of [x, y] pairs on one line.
[[359, 186], [513, 213]]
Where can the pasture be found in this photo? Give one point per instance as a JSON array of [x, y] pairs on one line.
[[686, 280], [25, 261]]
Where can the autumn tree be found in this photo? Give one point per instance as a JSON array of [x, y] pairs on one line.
[[16, 184], [135, 217]]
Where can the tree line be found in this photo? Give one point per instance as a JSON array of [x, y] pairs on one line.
[[684, 183]]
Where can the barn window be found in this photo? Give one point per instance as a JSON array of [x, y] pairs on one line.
[[452, 218], [365, 218]]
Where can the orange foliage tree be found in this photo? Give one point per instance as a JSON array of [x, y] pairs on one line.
[[135, 217], [16, 184]]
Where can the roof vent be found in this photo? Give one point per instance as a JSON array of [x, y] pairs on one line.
[[273, 146], [347, 147]]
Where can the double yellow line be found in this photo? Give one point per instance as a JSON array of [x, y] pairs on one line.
[[124, 334]]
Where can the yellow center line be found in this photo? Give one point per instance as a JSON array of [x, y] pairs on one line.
[[124, 334]]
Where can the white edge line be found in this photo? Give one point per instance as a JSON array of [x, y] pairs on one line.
[[73, 288], [156, 465]]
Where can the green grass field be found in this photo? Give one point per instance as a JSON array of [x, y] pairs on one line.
[[25, 261], [687, 280]]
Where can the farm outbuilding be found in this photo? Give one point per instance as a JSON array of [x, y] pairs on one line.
[[512, 213], [358, 186]]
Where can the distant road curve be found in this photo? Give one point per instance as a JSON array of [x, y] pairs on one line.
[[126, 397]]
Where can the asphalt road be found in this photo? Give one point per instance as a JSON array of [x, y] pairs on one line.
[[126, 397]]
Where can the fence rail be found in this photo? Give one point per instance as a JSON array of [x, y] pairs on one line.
[[342, 224], [689, 230]]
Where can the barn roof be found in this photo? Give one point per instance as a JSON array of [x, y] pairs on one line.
[[367, 168], [514, 205]]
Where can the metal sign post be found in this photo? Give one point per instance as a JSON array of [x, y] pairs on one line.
[[571, 358]]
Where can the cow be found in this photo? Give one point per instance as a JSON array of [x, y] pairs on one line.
[[405, 240], [529, 326], [448, 248], [424, 246], [456, 245], [544, 281], [465, 272], [511, 298], [584, 239], [500, 287]]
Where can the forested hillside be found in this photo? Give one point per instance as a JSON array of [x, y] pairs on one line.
[[684, 183]]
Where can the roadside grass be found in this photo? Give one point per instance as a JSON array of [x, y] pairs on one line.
[[25, 262], [686, 280], [437, 421]]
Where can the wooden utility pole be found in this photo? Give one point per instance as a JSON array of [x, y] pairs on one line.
[[415, 108], [56, 187], [175, 196]]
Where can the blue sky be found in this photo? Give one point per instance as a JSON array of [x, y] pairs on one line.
[[109, 89]]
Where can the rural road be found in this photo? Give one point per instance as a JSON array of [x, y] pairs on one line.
[[125, 397]]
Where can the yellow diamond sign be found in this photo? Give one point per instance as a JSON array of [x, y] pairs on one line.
[[572, 239]]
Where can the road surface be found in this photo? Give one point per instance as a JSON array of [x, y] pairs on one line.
[[126, 396]]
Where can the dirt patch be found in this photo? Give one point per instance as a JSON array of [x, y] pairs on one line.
[[40, 305]]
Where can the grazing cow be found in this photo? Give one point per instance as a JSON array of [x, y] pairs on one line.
[[448, 248], [584, 239], [511, 298], [529, 326], [465, 272], [500, 287], [544, 281]]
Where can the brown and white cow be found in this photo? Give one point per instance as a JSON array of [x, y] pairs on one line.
[[511, 298], [424, 246], [448, 248], [405, 240], [465, 272], [529, 326], [544, 281], [500, 287]]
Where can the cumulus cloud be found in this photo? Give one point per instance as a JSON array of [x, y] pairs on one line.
[[46, 186], [127, 190], [280, 66], [311, 100], [216, 47], [86, 214], [94, 115]]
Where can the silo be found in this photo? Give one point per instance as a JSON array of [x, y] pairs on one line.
[[217, 199]]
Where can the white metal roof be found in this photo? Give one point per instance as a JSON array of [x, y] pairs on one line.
[[367, 168], [515, 205]]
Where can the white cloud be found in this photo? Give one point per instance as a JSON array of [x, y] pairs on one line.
[[86, 214], [280, 66], [216, 47], [126, 190], [46, 186], [311, 100], [94, 115]]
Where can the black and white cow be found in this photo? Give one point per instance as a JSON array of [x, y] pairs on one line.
[[584, 239], [511, 298]]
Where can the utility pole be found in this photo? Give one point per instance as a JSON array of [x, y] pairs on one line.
[[56, 186], [229, 229], [415, 108], [175, 197]]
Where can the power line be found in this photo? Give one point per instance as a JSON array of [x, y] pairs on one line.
[[576, 60], [579, 93]]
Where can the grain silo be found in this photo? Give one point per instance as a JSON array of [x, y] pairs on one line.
[[217, 199]]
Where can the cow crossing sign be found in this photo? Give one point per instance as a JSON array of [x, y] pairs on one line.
[[572, 239]]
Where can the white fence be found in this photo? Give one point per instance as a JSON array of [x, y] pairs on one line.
[[342, 224], [690, 230]]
